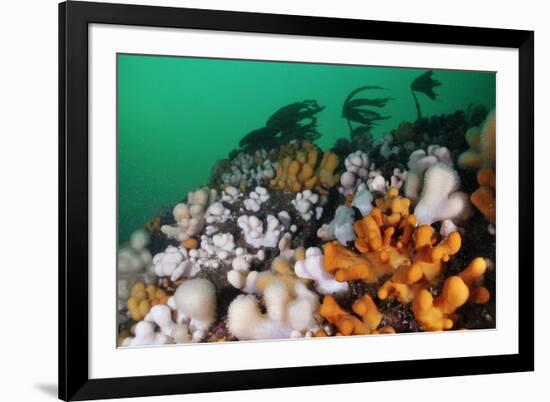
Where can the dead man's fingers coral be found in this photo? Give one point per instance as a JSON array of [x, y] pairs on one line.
[[484, 198], [253, 230], [440, 198], [196, 298], [287, 315], [366, 320], [312, 268], [435, 314], [345, 264], [473, 278]]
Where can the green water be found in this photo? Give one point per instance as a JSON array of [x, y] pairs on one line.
[[177, 116]]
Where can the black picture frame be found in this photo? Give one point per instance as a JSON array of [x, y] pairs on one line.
[[74, 18]]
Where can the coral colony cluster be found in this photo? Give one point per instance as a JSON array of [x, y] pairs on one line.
[[374, 236]]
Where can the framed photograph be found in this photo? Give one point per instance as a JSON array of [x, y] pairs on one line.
[[256, 201]]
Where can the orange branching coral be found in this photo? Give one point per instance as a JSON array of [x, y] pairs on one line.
[[482, 142], [484, 198], [325, 172], [297, 168], [347, 323], [367, 310], [385, 251], [382, 237], [436, 314], [391, 243], [403, 292], [296, 150], [392, 213], [142, 298], [366, 320], [430, 258], [345, 265], [473, 278], [424, 267], [393, 206]]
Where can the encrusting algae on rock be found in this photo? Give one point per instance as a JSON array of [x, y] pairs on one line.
[[376, 235]]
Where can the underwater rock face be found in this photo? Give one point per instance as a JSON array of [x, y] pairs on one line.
[[379, 234]]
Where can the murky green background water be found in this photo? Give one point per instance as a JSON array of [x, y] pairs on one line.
[[177, 116]]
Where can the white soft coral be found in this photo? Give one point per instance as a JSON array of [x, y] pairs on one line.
[[286, 315], [254, 233], [355, 176], [194, 306], [195, 302], [174, 263], [145, 334], [231, 194], [134, 263], [419, 162], [306, 205], [190, 216], [256, 198], [440, 198], [312, 268], [135, 258], [240, 276], [215, 250]]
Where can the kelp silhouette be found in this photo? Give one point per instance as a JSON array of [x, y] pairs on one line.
[[296, 121], [425, 84], [360, 110]]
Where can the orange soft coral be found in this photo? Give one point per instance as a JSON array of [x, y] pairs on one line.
[[366, 321], [142, 298], [403, 292], [473, 278], [423, 268], [367, 310], [482, 142], [303, 151], [392, 213], [435, 314], [484, 198], [392, 244], [378, 241], [297, 168], [384, 236], [393, 206], [325, 172], [344, 264], [347, 323], [428, 258]]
